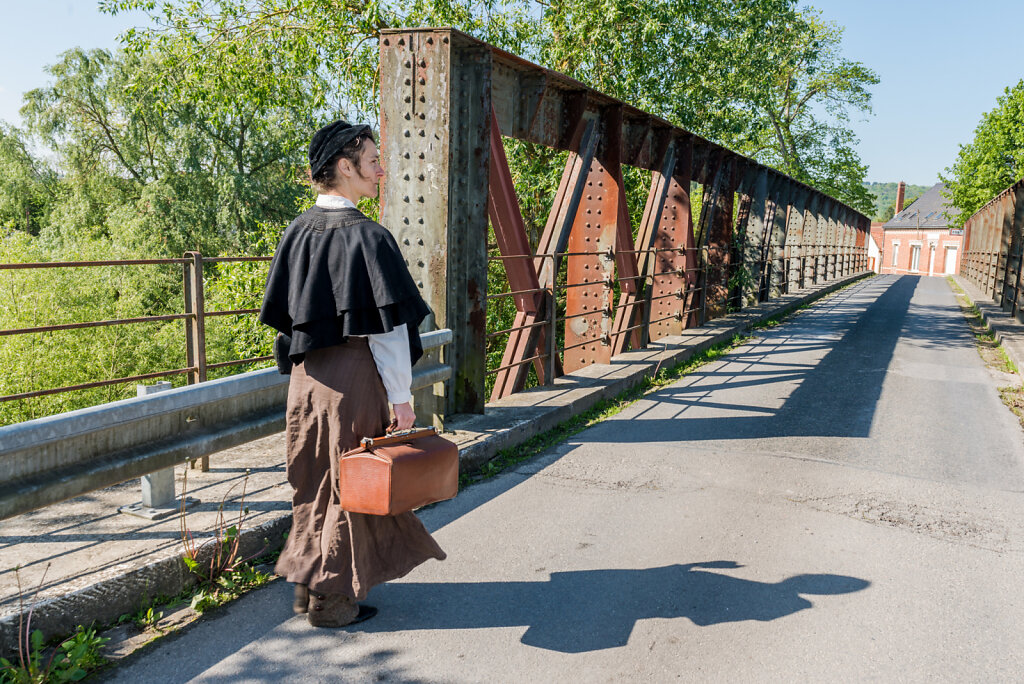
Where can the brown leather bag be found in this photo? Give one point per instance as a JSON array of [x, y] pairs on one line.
[[398, 472]]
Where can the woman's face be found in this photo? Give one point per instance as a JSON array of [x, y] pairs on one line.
[[367, 176]]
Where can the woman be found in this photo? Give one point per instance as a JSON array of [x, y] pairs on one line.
[[341, 296]]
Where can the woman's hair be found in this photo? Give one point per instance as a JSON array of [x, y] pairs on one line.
[[325, 178]]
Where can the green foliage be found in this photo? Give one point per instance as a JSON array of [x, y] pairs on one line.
[[193, 137], [222, 573], [228, 586], [885, 198], [70, 662], [761, 77], [25, 183], [993, 160]]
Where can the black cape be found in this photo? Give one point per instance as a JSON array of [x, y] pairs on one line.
[[337, 273]]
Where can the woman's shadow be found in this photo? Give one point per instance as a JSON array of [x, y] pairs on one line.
[[590, 610]]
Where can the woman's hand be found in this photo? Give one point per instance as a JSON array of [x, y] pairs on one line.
[[404, 416]]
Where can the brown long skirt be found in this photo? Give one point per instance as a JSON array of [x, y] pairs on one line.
[[335, 398]]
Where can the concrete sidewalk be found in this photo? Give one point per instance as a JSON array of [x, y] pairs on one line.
[[99, 564], [1009, 331]]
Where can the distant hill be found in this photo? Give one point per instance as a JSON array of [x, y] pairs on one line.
[[885, 196]]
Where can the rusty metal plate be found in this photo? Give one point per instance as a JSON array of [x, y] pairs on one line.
[[588, 309]]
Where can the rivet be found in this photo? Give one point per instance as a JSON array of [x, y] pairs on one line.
[[430, 41], [405, 199], [420, 284], [423, 81], [408, 116], [406, 176], [408, 98], [421, 198], [422, 177], [406, 155], [423, 116], [423, 134], [420, 241], [421, 223], [422, 156], [423, 98], [408, 81], [408, 133], [408, 62], [423, 62], [420, 264]]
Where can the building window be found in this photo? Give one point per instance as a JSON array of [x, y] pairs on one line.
[[915, 258], [895, 253]]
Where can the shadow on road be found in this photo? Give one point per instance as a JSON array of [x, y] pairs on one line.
[[590, 610], [836, 396]]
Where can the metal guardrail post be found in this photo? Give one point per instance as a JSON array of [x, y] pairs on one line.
[[195, 326], [158, 492], [553, 333]]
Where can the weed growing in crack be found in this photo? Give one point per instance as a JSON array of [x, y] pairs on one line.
[[71, 661], [222, 574]]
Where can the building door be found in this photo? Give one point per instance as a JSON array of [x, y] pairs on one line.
[[915, 258], [950, 259]]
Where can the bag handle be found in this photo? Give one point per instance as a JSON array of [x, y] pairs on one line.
[[396, 437]]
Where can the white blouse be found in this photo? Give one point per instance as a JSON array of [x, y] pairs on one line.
[[391, 349]]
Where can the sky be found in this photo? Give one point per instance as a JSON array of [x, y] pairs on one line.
[[942, 64]]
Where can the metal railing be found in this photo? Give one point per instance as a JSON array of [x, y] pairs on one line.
[[194, 315], [994, 247], [50, 459], [690, 302]]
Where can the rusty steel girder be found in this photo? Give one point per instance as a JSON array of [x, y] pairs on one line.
[[591, 260], [446, 100]]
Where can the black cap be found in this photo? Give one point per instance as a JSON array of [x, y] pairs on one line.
[[329, 140]]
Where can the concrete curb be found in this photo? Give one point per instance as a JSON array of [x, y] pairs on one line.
[[1008, 331], [122, 590], [507, 423]]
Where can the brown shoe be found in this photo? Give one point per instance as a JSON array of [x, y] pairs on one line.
[[301, 602], [336, 610]]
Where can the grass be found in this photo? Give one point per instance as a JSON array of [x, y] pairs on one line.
[[984, 338]]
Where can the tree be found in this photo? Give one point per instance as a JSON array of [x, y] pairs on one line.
[[993, 160], [163, 173], [759, 76], [25, 184]]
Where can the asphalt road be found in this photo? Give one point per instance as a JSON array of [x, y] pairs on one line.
[[840, 500]]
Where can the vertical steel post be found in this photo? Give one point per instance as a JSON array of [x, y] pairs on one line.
[[754, 244], [795, 242], [195, 327], [1018, 230], [591, 244], [435, 126]]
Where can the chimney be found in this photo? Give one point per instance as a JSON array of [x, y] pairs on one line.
[[901, 192]]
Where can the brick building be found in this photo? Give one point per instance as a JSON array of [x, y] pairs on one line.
[[918, 239]]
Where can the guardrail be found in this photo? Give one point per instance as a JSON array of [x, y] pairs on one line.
[[50, 459]]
